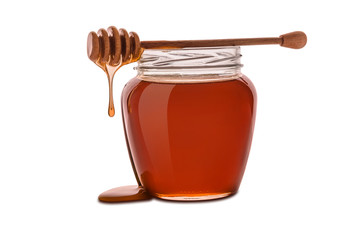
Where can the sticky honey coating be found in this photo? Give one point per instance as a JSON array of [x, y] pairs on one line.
[[115, 43], [113, 47]]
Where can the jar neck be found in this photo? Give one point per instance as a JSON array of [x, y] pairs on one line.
[[190, 63]]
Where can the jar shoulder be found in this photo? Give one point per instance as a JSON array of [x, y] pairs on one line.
[[130, 85], [140, 84]]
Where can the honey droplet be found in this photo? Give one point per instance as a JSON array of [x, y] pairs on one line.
[[111, 111]]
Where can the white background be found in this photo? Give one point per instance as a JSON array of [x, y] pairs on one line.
[[59, 149]]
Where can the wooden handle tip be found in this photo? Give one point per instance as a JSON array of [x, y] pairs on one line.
[[295, 40]]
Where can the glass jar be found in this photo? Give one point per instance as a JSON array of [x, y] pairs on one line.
[[188, 118]]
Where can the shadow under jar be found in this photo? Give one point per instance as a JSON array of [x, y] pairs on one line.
[[188, 118]]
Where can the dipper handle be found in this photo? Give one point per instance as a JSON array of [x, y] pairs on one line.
[[293, 40]]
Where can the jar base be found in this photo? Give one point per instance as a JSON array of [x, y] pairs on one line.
[[192, 197]]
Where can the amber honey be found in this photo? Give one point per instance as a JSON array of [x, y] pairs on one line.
[[189, 141]]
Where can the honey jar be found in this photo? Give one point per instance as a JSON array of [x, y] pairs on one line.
[[188, 117]]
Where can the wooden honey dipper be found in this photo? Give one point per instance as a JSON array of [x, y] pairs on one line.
[[112, 48]]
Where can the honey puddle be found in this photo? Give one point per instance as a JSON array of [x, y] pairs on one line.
[[124, 194]]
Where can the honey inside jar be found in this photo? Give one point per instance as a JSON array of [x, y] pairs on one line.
[[189, 118]]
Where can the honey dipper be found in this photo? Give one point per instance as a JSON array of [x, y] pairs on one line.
[[112, 48], [117, 47]]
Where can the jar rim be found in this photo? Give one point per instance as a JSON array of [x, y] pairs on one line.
[[194, 57], [190, 64]]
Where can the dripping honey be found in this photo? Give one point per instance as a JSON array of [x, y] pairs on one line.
[[110, 49]]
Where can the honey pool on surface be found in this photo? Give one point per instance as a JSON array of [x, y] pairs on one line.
[[189, 141]]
